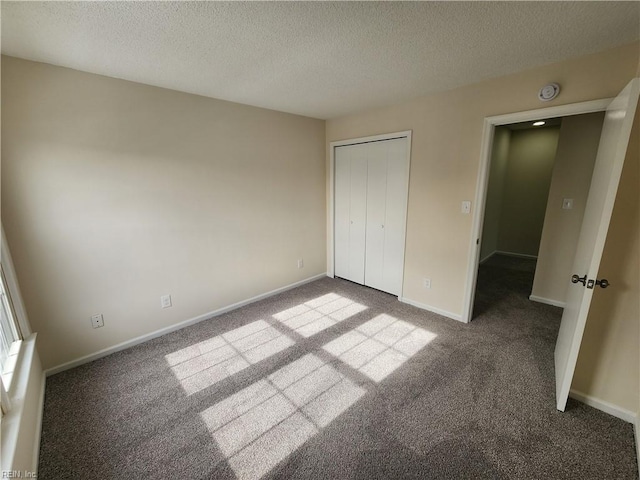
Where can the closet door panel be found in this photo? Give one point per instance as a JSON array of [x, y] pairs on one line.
[[376, 200], [358, 215], [395, 215], [342, 201], [370, 213]]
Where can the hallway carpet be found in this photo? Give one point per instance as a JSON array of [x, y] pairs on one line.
[[336, 381]]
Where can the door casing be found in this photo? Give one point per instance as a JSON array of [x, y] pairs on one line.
[[482, 182]]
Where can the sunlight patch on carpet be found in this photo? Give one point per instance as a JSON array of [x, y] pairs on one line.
[[380, 346], [318, 314], [205, 363], [264, 423]]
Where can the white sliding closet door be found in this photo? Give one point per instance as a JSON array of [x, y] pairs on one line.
[[387, 255], [371, 181], [376, 200], [350, 212], [342, 208]]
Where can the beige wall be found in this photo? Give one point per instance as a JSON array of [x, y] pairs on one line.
[[495, 190], [115, 193], [526, 189], [609, 363], [575, 157], [447, 132]]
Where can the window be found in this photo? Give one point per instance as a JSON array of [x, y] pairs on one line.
[[15, 359], [9, 340]]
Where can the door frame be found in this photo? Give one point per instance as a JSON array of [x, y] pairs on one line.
[[482, 182], [331, 208]]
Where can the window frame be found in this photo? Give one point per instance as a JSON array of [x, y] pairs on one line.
[[12, 301], [14, 341], [13, 289]]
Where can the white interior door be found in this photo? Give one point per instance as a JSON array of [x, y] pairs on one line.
[[358, 215], [395, 214], [370, 211], [376, 209], [602, 193], [350, 212], [342, 207], [386, 215]]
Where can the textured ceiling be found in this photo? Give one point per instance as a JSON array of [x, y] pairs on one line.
[[320, 59]]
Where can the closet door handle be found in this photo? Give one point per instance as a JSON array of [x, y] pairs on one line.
[[382, 226]]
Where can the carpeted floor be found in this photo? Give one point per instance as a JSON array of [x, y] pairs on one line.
[[337, 381]]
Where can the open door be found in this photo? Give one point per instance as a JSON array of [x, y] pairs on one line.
[[602, 194]]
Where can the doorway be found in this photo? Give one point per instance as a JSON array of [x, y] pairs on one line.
[[490, 126], [538, 185], [520, 173], [614, 140]]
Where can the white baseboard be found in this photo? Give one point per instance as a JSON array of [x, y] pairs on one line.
[[637, 431], [172, 328], [482, 260], [429, 308], [604, 406], [548, 301], [36, 441], [514, 254]]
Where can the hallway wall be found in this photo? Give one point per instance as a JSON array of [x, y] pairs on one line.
[[527, 179], [495, 191]]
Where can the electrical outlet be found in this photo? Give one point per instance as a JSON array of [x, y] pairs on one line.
[[165, 301], [426, 282], [97, 321], [300, 263]]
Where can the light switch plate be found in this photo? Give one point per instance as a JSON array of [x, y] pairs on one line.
[[466, 207], [567, 203]]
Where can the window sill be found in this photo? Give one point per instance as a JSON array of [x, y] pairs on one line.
[[25, 398]]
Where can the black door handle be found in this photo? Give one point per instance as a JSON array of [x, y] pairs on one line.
[[575, 279], [604, 283]]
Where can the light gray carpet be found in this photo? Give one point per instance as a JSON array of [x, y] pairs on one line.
[[336, 381]]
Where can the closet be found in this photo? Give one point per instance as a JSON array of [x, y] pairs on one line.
[[370, 205]]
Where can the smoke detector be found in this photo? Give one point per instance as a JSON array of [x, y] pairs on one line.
[[549, 92]]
